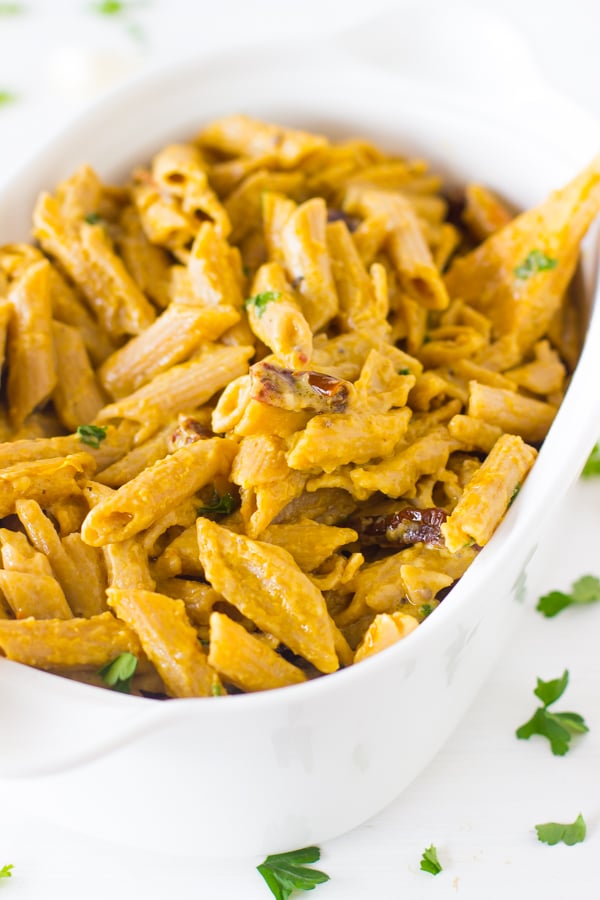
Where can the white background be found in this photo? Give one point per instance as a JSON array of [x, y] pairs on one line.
[[481, 797]]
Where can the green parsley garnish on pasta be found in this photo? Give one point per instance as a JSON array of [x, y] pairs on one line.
[[535, 262]]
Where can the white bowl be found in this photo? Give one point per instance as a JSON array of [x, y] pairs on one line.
[[287, 768]]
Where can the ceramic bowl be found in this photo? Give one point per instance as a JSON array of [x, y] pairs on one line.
[[284, 769]]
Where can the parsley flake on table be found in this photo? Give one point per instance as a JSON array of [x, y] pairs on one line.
[[91, 435], [221, 506], [534, 262], [583, 591], [118, 673], [6, 871], [430, 862], [592, 466], [7, 97], [555, 832], [260, 301], [558, 728], [287, 872]]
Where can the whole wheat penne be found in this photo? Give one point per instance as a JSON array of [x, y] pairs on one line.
[[168, 638], [511, 412], [43, 536], [171, 338], [156, 490], [31, 360], [77, 397], [245, 661], [40, 596], [307, 262], [276, 595], [44, 480], [185, 386], [502, 472], [67, 643]]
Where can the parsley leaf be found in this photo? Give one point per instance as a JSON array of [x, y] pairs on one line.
[[430, 862], [404, 371], [535, 262], [109, 7], [286, 872], [592, 466], [7, 97], [550, 691], [118, 673], [91, 434], [558, 728], [514, 494], [260, 301], [585, 590], [426, 609], [6, 871], [222, 506], [555, 832], [93, 218]]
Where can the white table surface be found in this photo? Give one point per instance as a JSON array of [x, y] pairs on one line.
[[479, 800]]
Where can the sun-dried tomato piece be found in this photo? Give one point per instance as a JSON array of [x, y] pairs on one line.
[[188, 431], [405, 527], [296, 390]]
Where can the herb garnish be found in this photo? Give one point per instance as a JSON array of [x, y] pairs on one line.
[[592, 466], [118, 673], [514, 494], [6, 871], [555, 832], [222, 506], [430, 862], [535, 262], [7, 97], [93, 218], [583, 591], [558, 728], [404, 371], [260, 301], [91, 434], [426, 609], [286, 872]]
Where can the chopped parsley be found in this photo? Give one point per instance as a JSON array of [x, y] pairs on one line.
[[118, 673], [535, 262], [91, 434], [222, 506], [514, 494], [555, 832], [7, 97], [558, 728], [109, 7], [216, 689], [430, 862], [287, 872], [260, 301], [426, 609], [583, 591], [404, 371], [6, 871], [93, 218], [592, 466]]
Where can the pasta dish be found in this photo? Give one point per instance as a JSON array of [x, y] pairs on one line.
[[265, 404]]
